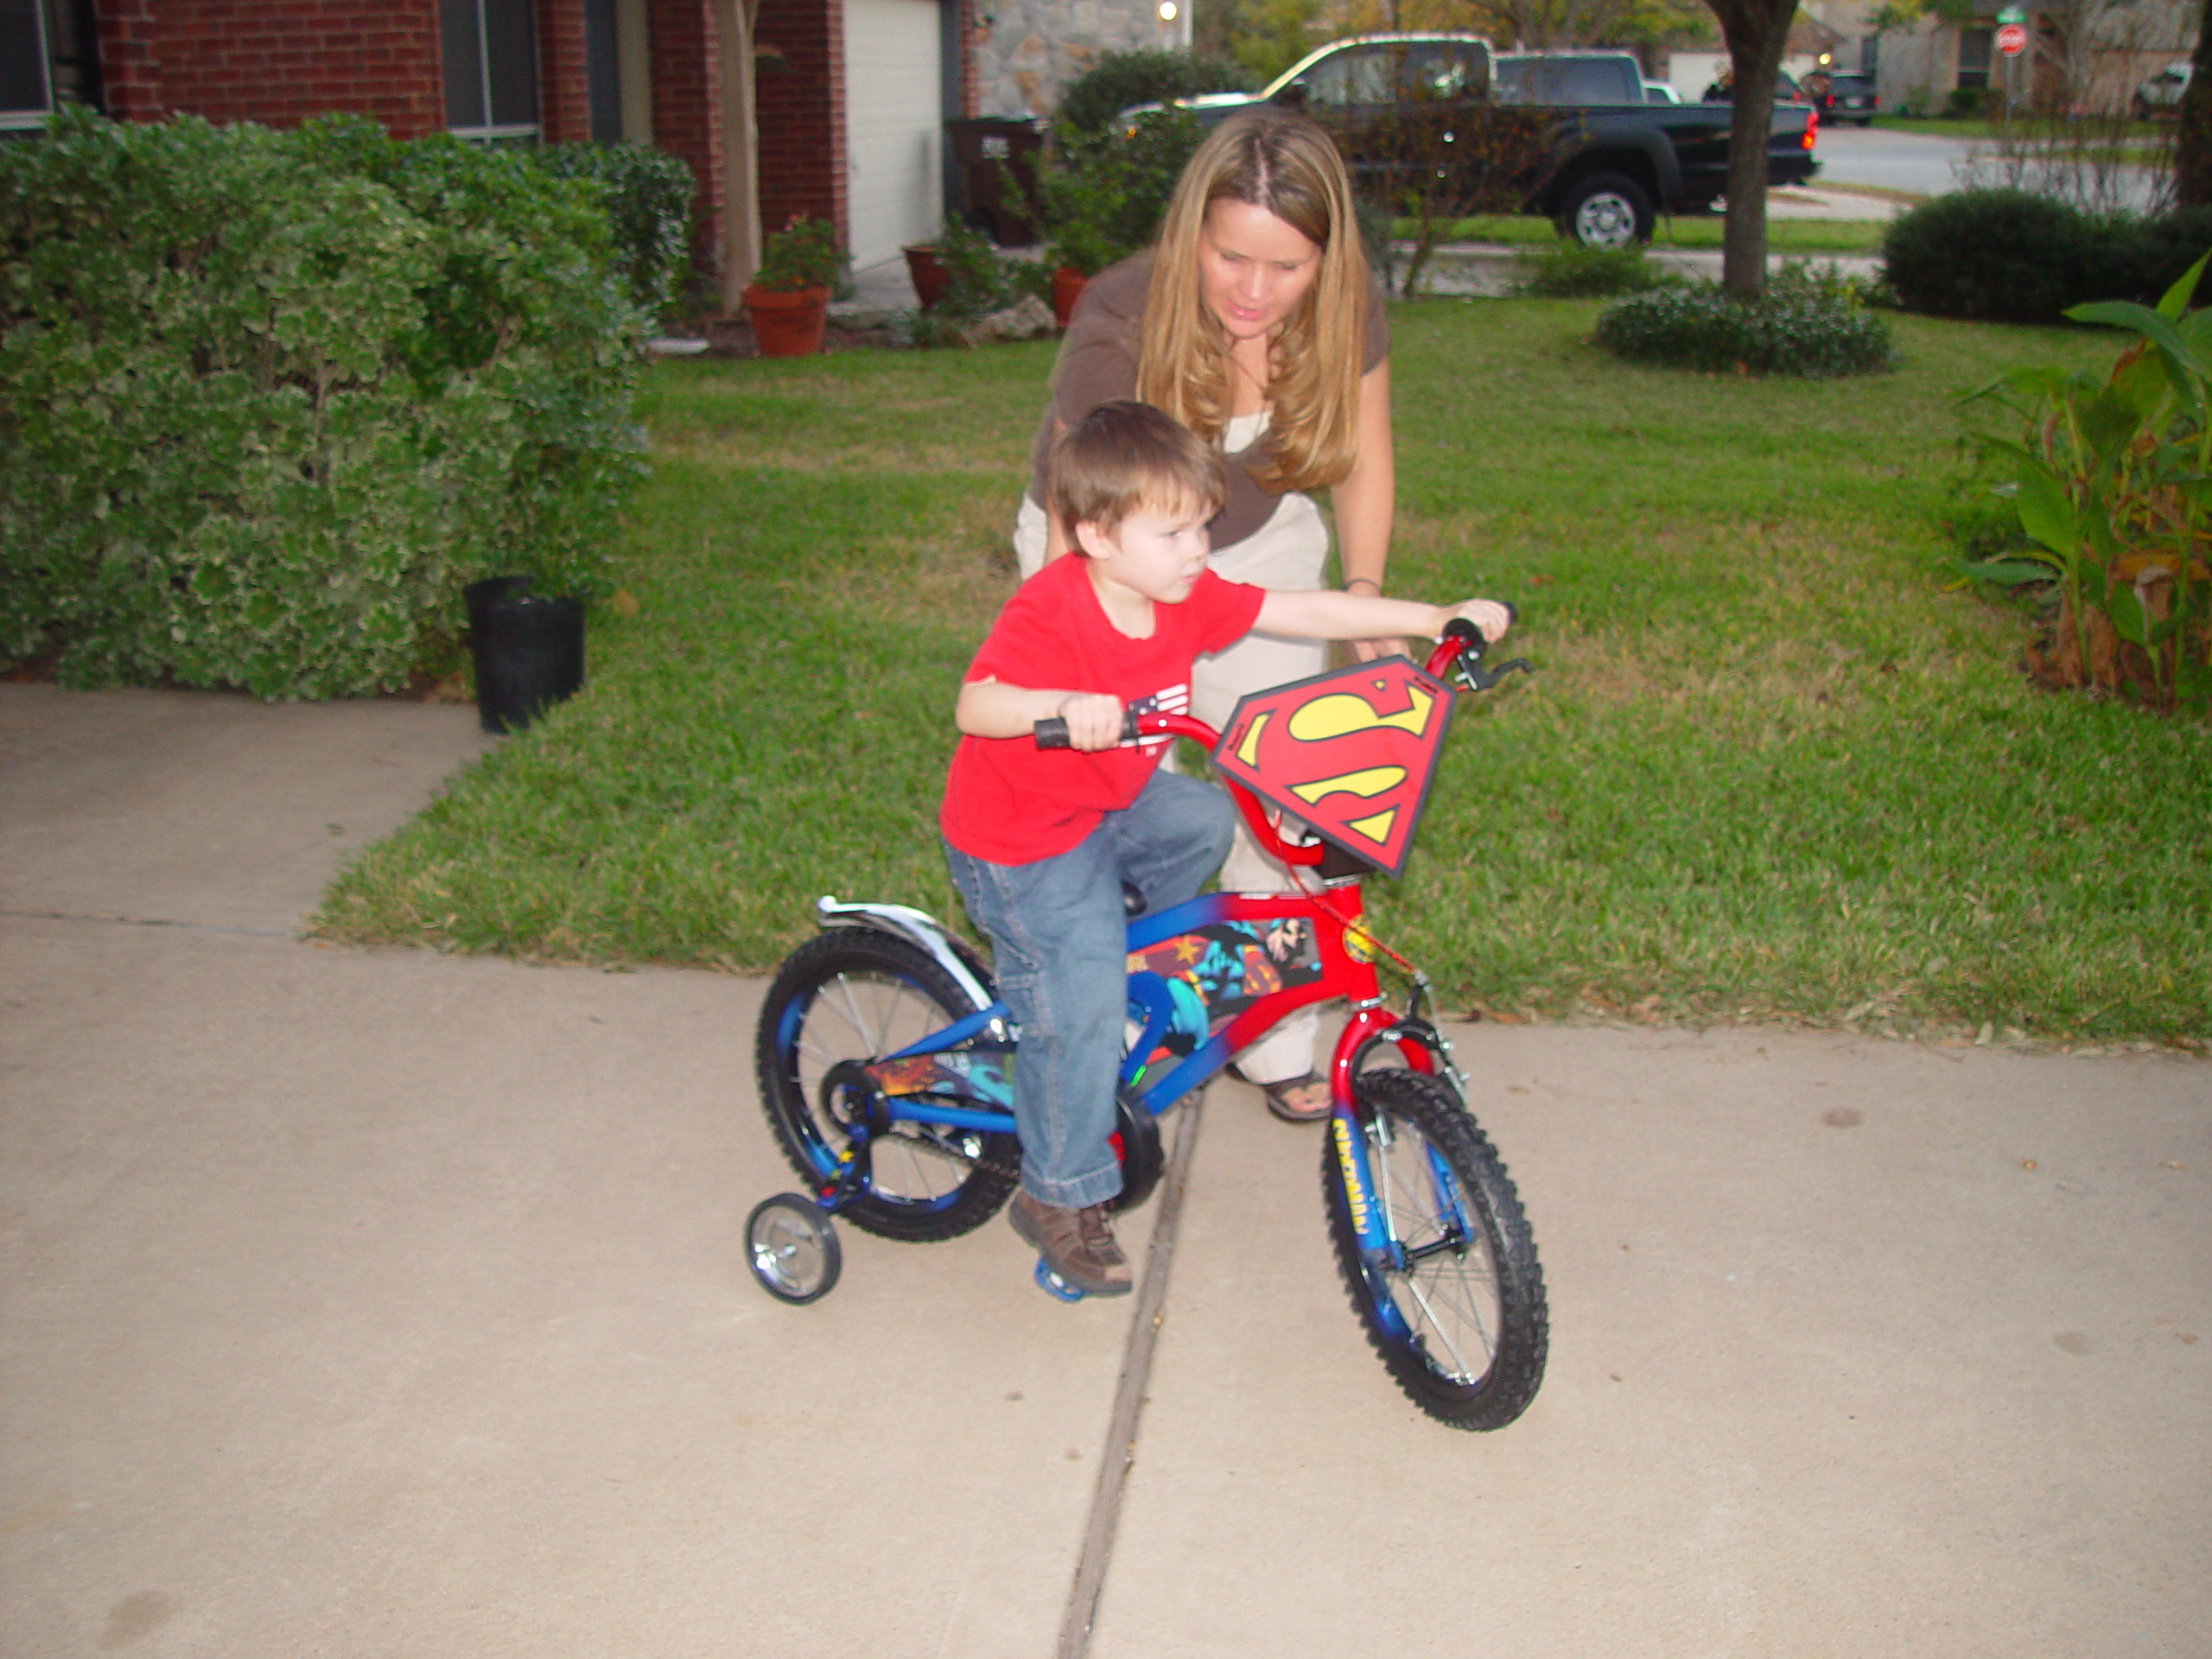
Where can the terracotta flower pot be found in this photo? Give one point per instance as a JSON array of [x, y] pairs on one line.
[[928, 272], [1068, 284], [787, 322]]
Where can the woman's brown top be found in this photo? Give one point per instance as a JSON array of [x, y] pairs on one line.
[[1098, 363]]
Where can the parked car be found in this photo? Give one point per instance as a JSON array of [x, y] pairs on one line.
[[1613, 163], [1661, 92], [1851, 98], [2161, 94]]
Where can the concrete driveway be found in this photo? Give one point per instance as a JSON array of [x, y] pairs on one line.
[[370, 1303]]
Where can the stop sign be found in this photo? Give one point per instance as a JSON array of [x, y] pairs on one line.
[[2013, 39]]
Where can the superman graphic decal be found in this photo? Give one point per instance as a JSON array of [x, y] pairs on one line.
[[1185, 988], [1350, 753]]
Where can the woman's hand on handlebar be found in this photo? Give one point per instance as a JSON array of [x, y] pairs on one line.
[[1094, 720], [1487, 615]]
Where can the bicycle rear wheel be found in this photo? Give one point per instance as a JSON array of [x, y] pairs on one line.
[[853, 995], [1454, 1303]]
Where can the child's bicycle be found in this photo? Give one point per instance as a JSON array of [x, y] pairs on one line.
[[885, 1057]]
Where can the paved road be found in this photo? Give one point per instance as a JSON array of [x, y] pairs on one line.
[[1891, 160], [1930, 165]]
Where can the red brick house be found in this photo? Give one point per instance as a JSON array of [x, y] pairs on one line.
[[851, 95]]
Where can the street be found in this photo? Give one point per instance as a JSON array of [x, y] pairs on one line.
[[1930, 165]]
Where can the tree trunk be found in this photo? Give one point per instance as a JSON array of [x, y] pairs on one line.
[[1757, 33], [740, 192], [2193, 143]]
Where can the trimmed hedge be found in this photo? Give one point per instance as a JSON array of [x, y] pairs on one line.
[[649, 196], [1567, 270], [269, 401], [1119, 80], [2010, 256], [1797, 332]]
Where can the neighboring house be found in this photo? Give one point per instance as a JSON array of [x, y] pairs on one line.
[[1031, 49], [2085, 56], [852, 95]]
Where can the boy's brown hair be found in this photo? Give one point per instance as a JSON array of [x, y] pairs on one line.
[[1125, 456]]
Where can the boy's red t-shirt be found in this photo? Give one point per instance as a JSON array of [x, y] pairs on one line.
[[1008, 802]]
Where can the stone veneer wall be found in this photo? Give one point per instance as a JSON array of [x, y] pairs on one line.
[[1036, 47]]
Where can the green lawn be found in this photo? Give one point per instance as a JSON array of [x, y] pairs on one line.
[[1786, 236], [1768, 769]]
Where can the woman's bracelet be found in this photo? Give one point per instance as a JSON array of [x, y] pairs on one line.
[[1369, 581]]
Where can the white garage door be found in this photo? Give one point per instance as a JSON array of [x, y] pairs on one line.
[[895, 123]]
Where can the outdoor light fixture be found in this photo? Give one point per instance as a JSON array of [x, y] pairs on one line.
[[1168, 11]]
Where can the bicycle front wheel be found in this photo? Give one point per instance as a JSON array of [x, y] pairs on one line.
[[852, 994], [1453, 1300]]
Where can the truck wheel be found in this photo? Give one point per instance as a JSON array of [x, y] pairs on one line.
[[1605, 210]]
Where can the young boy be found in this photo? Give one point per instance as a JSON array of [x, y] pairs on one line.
[[1041, 841]]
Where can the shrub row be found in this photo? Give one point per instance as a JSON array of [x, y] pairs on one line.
[[2009, 256], [269, 401], [1795, 329]]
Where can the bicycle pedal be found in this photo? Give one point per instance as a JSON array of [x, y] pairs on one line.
[[1055, 1287]]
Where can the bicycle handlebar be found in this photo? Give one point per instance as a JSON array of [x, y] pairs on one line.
[[1460, 648]]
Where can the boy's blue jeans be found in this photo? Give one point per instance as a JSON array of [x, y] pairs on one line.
[[1058, 929]]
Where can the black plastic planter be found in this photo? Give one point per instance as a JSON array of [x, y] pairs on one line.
[[528, 651]]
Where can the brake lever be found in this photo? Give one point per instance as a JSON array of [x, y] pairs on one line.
[[1474, 676], [1469, 670]]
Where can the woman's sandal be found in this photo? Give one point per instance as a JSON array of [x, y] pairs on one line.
[[1279, 1096]]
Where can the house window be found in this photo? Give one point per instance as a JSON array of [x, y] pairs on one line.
[[489, 49], [26, 85], [1974, 56]]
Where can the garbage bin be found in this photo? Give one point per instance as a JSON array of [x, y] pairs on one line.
[[528, 651], [985, 147]]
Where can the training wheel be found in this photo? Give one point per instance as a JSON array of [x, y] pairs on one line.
[[795, 1252], [1055, 1287]]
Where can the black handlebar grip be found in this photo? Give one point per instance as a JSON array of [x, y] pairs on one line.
[[1053, 732], [1459, 628]]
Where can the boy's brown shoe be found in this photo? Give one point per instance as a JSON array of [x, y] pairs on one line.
[[1078, 1244]]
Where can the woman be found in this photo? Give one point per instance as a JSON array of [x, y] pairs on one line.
[[1256, 322]]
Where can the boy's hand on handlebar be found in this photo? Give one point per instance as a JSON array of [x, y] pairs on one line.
[[1487, 615], [1094, 720]]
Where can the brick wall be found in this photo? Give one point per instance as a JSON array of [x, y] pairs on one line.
[[563, 85], [274, 61], [688, 112], [972, 33], [801, 113]]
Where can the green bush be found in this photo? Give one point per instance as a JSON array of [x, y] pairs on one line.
[[1567, 270], [1090, 101], [2009, 256], [1103, 195], [1786, 332], [2001, 256], [2106, 488], [648, 196], [268, 402]]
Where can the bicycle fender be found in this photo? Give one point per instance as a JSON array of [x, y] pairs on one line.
[[916, 927]]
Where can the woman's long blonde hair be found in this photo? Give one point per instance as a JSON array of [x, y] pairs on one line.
[[1280, 161]]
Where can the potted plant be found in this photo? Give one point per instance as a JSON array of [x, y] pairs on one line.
[[925, 267], [788, 300], [1076, 254], [1103, 195]]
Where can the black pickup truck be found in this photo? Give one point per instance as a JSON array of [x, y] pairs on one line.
[[1613, 163]]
